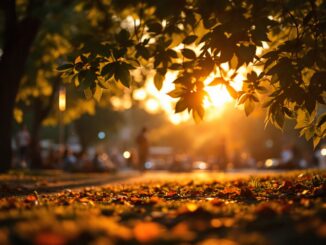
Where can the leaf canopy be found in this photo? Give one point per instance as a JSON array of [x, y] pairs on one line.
[[283, 41]]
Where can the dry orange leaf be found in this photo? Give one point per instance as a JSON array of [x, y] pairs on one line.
[[49, 238], [147, 231]]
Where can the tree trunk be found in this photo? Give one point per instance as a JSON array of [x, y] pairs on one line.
[[41, 110], [18, 40], [6, 104]]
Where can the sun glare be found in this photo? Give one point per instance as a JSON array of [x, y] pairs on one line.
[[155, 100], [152, 105], [218, 96]]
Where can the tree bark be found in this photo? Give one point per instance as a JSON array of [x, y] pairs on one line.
[[5, 128], [18, 40], [41, 110]]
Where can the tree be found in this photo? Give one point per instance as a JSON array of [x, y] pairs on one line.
[[280, 43], [18, 37], [22, 23], [29, 40], [194, 38], [40, 83]]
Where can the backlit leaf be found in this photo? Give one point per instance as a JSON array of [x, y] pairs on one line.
[[188, 53], [158, 80], [249, 106], [88, 93], [65, 67], [189, 39]]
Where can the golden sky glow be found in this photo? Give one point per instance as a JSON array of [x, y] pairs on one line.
[[155, 100]]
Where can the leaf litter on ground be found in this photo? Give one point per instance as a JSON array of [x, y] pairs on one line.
[[280, 209]]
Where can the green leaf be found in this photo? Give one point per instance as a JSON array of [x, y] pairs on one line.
[[181, 105], [188, 53], [217, 81], [158, 81], [278, 118], [262, 89], [175, 66], [310, 104], [309, 58], [271, 55], [123, 36], [252, 77], [74, 80], [243, 98], [254, 98], [249, 107], [283, 66], [287, 112], [316, 141], [226, 54], [118, 53], [86, 78], [98, 93], [134, 63], [102, 83], [176, 93], [321, 120], [308, 133], [246, 54], [88, 93], [189, 39], [234, 94], [65, 67], [108, 70], [259, 34], [200, 110], [123, 75], [172, 53], [196, 116], [154, 27], [234, 63], [84, 58], [304, 119], [143, 52]]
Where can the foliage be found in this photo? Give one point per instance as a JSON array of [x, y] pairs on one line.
[[260, 210], [280, 43], [54, 43]]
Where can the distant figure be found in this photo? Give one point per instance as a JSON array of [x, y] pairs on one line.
[[69, 160], [142, 148], [23, 141]]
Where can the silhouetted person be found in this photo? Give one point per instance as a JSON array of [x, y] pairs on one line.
[[23, 141], [142, 148], [69, 160]]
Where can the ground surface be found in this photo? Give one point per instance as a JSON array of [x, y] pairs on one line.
[[164, 208]]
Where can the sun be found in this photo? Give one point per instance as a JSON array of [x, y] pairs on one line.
[[218, 95], [214, 104]]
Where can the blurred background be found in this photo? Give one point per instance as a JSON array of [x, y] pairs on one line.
[[84, 135], [136, 128]]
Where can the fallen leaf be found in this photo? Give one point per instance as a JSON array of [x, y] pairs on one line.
[[147, 231]]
